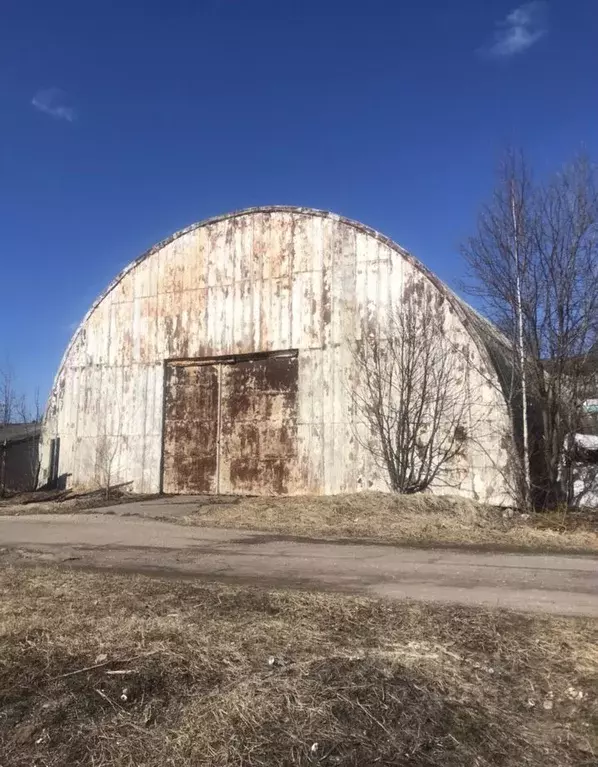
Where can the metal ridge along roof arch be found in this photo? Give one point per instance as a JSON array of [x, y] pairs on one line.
[[468, 315]]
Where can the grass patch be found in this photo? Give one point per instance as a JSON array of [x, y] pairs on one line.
[[100, 669], [402, 519]]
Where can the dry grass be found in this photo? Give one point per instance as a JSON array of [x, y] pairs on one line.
[[105, 670], [402, 519], [67, 501]]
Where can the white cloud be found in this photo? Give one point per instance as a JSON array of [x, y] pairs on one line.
[[522, 28], [53, 102]]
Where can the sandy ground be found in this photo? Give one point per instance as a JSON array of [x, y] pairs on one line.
[[562, 584]]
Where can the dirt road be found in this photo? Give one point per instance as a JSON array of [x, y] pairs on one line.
[[556, 584]]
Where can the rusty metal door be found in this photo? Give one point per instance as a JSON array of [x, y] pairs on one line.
[[258, 428], [190, 437], [230, 425]]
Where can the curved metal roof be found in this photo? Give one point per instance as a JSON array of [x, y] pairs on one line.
[[486, 336]]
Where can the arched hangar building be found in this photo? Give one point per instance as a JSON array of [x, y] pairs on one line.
[[221, 361]]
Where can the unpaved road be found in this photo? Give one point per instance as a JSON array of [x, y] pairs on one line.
[[558, 584]]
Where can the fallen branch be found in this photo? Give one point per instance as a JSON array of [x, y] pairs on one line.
[[104, 663], [122, 671], [107, 699]]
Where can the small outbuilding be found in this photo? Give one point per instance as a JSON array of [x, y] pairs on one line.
[[222, 361], [19, 456]]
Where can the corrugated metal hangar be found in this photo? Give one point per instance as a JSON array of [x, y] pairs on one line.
[[221, 362]]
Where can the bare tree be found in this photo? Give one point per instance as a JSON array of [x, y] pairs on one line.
[[31, 414], [535, 263], [500, 257], [410, 396], [10, 401], [112, 439], [15, 409], [106, 453], [14, 406], [516, 198], [110, 436]]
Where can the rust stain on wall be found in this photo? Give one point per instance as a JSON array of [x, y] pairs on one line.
[[190, 428], [259, 426], [230, 426]]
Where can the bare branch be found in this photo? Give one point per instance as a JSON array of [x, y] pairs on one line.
[[535, 267], [412, 395]]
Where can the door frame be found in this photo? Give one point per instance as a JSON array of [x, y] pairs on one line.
[[225, 359]]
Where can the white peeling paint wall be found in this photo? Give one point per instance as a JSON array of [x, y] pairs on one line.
[[258, 281]]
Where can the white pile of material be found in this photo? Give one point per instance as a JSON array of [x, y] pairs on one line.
[[585, 486]]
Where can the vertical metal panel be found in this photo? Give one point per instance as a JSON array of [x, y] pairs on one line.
[[172, 272], [241, 337], [190, 313], [148, 329], [327, 264], [164, 340], [281, 244], [396, 281], [142, 279], [306, 244], [263, 319], [311, 459], [212, 329], [328, 425], [217, 248], [124, 291], [342, 288], [256, 308], [258, 437], [262, 262], [242, 246], [153, 429], [229, 308], [76, 416], [97, 330], [195, 259], [190, 428], [277, 322]]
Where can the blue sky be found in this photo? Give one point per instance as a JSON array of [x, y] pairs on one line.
[[122, 122]]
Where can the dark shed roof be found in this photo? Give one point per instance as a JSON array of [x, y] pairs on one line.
[[18, 432]]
